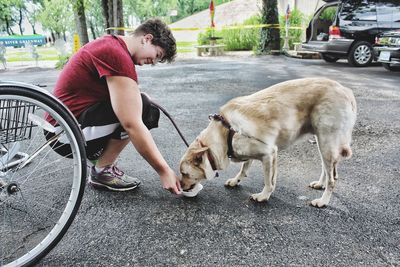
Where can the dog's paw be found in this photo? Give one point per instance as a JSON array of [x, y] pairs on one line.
[[232, 182], [260, 197], [316, 185], [318, 203]]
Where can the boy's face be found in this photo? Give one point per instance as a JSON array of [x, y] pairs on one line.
[[147, 52]]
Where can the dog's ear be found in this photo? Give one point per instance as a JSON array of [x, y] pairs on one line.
[[198, 155]]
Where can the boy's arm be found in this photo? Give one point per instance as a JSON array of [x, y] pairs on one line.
[[127, 105]]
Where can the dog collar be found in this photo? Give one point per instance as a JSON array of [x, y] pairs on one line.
[[211, 160], [212, 163], [231, 133]]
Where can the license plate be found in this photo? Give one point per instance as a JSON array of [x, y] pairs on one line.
[[384, 56]]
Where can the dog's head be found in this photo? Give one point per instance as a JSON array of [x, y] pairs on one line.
[[195, 166]]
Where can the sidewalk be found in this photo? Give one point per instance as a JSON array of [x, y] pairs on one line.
[[17, 65], [51, 64]]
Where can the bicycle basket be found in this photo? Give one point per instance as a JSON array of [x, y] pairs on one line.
[[14, 122]]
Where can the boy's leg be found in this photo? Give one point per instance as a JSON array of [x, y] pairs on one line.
[[111, 152], [105, 139]]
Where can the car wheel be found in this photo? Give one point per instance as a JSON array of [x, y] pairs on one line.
[[361, 54], [328, 58], [390, 67]]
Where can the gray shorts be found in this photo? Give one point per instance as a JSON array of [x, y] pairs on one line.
[[99, 124]]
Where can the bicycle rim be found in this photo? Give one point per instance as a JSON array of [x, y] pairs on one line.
[[39, 201]]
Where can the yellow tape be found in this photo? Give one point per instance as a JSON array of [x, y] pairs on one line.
[[120, 28], [274, 26]]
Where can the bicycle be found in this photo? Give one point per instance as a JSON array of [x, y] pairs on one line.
[[40, 190]]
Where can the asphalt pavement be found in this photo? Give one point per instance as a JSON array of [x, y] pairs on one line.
[[221, 226]]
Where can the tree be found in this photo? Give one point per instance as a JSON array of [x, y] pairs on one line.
[[94, 17], [80, 20], [145, 9], [32, 12], [188, 7], [113, 14], [55, 17], [12, 12], [19, 5], [7, 15], [270, 36]]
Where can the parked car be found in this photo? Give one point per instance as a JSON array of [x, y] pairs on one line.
[[387, 50], [347, 29]]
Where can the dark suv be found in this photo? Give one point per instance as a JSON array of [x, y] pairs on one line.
[[347, 29]]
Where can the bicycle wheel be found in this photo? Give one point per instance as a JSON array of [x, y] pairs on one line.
[[40, 191]]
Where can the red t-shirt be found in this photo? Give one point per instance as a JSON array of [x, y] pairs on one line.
[[82, 82]]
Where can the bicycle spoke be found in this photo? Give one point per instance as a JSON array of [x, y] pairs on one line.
[[40, 189], [3, 245], [28, 176], [46, 206], [33, 189], [13, 233], [39, 164], [35, 140], [31, 214]]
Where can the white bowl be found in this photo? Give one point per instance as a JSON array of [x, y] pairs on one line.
[[193, 192]]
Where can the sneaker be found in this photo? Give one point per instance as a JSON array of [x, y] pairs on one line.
[[112, 178]]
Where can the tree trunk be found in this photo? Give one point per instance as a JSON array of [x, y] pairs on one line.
[[92, 30], [113, 15], [270, 36], [53, 37], [106, 15], [8, 27], [21, 30], [118, 16], [80, 20], [8, 31]]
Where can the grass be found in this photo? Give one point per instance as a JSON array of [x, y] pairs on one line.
[[50, 53], [22, 54], [185, 47]]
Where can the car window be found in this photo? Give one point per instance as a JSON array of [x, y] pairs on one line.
[[358, 10], [388, 11], [329, 13]]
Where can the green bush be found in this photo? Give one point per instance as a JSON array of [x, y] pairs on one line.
[[237, 38], [242, 38], [62, 60]]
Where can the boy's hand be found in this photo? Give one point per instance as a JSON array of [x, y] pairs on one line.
[[170, 182]]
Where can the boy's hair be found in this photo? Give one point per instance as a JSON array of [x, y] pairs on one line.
[[162, 37]]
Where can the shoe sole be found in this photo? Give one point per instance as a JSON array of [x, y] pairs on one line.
[[103, 186]]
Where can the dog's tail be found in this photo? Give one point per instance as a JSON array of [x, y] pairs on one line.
[[345, 151]]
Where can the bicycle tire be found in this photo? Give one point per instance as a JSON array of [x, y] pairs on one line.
[[39, 233]]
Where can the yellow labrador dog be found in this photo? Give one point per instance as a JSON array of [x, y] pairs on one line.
[[256, 126]]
